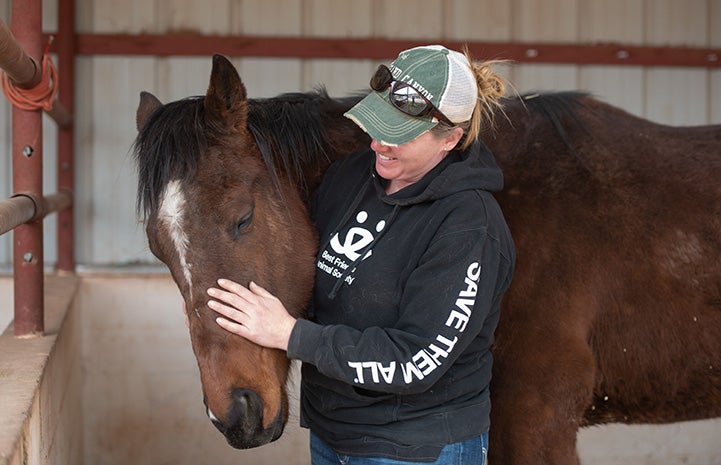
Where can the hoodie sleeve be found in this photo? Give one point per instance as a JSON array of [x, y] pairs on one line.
[[445, 303]]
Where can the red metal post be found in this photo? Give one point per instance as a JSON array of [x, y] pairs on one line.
[[26, 26], [66, 138]]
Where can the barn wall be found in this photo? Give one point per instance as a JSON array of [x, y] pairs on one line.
[[107, 228], [41, 408]]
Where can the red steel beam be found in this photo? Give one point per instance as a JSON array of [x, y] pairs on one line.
[[307, 47], [27, 150], [66, 135]]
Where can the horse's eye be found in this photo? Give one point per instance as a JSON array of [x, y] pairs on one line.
[[241, 226]]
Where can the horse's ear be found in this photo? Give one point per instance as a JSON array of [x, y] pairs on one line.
[[148, 104], [226, 100]]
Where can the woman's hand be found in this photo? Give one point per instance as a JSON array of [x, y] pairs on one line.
[[253, 313]]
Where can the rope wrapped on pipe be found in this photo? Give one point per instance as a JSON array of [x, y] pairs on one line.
[[42, 95]]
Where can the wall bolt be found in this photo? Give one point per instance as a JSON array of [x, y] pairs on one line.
[[27, 151]]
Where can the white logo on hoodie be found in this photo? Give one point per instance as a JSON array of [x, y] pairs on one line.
[[349, 249], [356, 239]]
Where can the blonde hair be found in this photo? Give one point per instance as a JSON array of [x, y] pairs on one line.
[[491, 89]]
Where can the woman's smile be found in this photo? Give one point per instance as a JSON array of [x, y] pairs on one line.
[[385, 158]]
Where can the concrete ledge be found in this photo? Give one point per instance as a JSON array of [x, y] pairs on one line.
[[24, 363]]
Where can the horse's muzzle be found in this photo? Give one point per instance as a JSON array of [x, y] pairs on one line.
[[244, 426]]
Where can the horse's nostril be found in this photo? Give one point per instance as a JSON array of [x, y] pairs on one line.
[[243, 427], [246, 409]]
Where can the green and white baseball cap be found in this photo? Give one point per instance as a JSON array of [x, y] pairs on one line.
[[442, 76]]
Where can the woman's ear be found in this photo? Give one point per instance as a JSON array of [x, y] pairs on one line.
[[452, 139]]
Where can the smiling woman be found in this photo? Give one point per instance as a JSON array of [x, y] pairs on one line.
[[383, 341]]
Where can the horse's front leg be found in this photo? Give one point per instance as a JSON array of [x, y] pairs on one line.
[[542, 384]]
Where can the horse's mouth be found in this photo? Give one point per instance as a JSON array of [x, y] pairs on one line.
[[244, 428]]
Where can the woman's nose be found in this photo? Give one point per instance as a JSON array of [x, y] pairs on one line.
[[376, 146]]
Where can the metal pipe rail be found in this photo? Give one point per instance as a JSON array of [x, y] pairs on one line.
[[21, 49], [24, 208]]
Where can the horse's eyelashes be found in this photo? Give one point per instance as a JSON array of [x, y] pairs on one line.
[[242, 225]]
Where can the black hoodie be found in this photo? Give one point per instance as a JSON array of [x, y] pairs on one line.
[[407, 294]]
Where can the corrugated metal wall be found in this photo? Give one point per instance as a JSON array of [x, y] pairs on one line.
[[107, 229]]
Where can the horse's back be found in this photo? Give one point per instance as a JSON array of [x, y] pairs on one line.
[[617, 221]]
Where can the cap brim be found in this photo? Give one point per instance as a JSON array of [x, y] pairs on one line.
[[385, 123]]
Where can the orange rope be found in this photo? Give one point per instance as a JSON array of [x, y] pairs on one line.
[[40, 96]]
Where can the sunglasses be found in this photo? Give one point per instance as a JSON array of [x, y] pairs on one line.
[[404, 97]]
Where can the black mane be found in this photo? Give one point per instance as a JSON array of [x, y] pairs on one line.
[[557, 106], [290, 130], [168, 147]]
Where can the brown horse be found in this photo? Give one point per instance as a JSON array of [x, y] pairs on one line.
[[614, 314]]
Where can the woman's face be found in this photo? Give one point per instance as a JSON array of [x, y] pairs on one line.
[[405, 164]]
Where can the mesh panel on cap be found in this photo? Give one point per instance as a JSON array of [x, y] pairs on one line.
[[459, 98]]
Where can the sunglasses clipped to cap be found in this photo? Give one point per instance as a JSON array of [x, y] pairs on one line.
[[404, 97]]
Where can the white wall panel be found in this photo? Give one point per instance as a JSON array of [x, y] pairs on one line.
[[529, 78], [714, 96], [618, 85], [546, 21], [408, 19], [268, 17], [715, 76], [675, 22], [112, 16], [267, 77], [331, 18], [205, 17], [107, 228], [481, 20], [340, 77], [108, 87], [611, 21], [677, 96], [178, 78]]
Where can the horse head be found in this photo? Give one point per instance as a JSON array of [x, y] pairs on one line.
[[213, 210]]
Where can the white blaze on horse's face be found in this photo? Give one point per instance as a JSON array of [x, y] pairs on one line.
[[171, 215]]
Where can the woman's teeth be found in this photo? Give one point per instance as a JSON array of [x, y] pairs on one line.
[[383, 157]]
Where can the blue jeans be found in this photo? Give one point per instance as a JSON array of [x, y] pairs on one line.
[[469, 452]]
